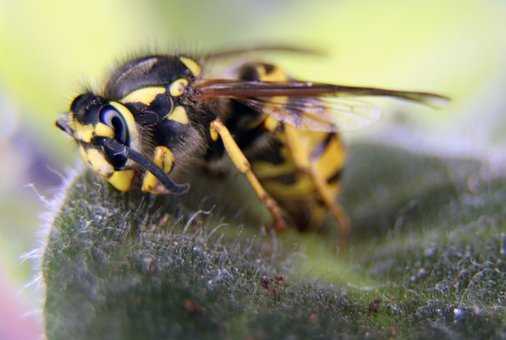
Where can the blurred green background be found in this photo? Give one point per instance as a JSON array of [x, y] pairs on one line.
[[50, 50]]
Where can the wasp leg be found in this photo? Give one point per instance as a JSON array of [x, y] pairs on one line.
[[243, 165], [329, 199], [306, 165], [164, 159]]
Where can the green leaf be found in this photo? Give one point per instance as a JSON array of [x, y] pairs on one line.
[[426, 259]]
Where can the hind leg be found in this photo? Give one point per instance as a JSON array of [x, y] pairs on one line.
[[307, 162], [329, 198]]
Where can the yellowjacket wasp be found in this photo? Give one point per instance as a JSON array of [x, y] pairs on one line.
[[158, 113]]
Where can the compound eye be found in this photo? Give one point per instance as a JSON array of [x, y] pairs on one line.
[[111, 117]]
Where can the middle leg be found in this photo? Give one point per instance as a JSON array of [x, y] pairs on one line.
[[243, 165]]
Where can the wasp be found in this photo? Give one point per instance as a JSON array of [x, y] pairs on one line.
[[160, 115]]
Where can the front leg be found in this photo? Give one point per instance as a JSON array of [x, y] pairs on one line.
[[164, 159]]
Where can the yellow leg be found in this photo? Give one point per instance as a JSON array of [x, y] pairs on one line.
[[243, 165], [302, 160], [163, 158], [343, 221]]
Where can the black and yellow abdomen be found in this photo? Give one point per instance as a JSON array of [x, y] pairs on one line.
[[288, 161], [286, 173]]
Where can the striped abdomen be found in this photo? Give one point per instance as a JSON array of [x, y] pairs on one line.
[[280, 154], [294, 188]]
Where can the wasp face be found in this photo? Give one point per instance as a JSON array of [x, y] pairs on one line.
[[105, 131], [108, 132]]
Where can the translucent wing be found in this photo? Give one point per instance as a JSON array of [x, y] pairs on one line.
[[319, 114], [313, 106]]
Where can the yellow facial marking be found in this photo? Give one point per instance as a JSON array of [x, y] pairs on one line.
[[179, 115], [82, 132], [145, 95], [192, 65], [163, 158], [102, 130], [177, 87], [85, 133], [98, 163], [122, 180]]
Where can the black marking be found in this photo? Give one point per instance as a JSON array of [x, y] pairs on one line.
[[135, 107], [269, 68], [249, 72], [248, 138], [240, 120], [162, 104], [146, 117], [116, 159], [336, 176], [153, 113], [170, 133], [142, 114], [215, 151], [320, 148], [287, 179], [242, 117], [273, 154], [243, 122], [244, 139], [320, 202], [155, 70]]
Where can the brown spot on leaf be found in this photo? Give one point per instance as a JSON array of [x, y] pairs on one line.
[[192, 307], [374, 306]]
